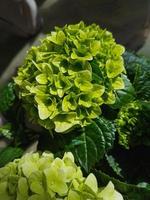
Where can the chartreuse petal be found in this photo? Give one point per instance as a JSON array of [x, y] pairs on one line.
[[72, 195], [22, 192], [37, 188], [118, 83], [95, 47], [41, 78], [29, 167], [43, 111], [79, 56], [85, 100], [97, 91], [62, 84], [85, 74], [37, 197], [109, 98], [114, 67], [110, 193], [56, 180], [7, 197], [88, 194], [39, 89], [3, 187], [45, 160], [93, 112], [23, 186], [64, 126], [83, 80], [36, 177], [46, 106], [3, 191], [118, 50], [57, 37], [83, 85], [68, 156], [92, 182], [69, 102], [53, 90], [64, 122]]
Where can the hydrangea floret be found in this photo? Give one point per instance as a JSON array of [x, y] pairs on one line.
[[41, 177], [65, 80]]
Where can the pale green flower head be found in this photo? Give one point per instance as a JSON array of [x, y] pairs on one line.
[[43, 177], [65, 80]]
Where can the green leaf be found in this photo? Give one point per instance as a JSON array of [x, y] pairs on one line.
[[125, 95], [86, 153], [7, 97], [97, 139], [133, 124], [113, 164], [5, 131], [138, 71], [108, 130], [9, 154], [144, 185]]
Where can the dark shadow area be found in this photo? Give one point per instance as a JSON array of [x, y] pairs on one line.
[[128, 20]]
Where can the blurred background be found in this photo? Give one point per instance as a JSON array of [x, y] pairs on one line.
[[23, 22]]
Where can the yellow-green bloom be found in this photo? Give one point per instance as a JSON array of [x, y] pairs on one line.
[[65, 80], [41, 177]]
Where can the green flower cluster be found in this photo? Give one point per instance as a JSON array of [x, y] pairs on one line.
[[126, 122], [64, 81], [35, 177]]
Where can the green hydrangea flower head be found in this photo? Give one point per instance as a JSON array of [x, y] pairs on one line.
[[65, 80], [41, 177]]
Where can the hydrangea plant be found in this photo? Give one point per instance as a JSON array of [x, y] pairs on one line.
[[41, 177], [65, 80]]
